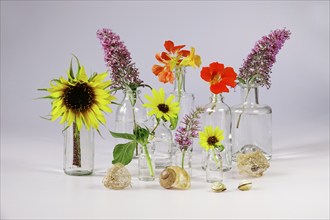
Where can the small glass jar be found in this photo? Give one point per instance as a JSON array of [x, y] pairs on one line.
[[163, 145], [183, 158], [78, 151], [218, 113], [146, 164], [252, 124], [214, 171]]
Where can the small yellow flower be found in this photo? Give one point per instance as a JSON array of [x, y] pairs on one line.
[[210, 138], [191, 60], [160, 107], [80, 99]]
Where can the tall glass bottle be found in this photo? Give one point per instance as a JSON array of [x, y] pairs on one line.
[[128, 113], [218, 113], [252, 124], [186, 100], [78, 151]]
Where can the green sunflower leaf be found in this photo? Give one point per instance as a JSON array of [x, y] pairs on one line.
[[174, 122], [126, 136], [123, 153], [220, 147]]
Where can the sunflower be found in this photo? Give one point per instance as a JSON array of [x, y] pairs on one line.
[[161, 108], [210, 138], [80, 100]]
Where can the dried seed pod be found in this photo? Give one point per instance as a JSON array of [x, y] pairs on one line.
[[174, 177], [218, 187], [245, 185], [117, 177]]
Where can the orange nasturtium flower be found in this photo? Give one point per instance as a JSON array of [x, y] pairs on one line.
[[170, 59], [219, 77]]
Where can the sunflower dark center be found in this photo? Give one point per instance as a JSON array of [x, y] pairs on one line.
[[212, 140], [79, 97], [163, 108]]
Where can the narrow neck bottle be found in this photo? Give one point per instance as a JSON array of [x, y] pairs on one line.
[[180, 80], [249, 95]]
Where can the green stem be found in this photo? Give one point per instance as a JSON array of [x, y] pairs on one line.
[[135, 126], [240, 115], [76, 146], [153, 130], [151, 170], [215, 159], [182, 161], [179, 77]]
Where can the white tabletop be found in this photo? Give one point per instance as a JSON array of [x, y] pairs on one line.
[[34, 186]]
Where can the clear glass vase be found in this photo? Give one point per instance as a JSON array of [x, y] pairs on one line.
[[186, 100], [146, 163], [218, 113], [214, 170], [162, 142], [130, 112], [78, 151], [252, 124], [183, 158]]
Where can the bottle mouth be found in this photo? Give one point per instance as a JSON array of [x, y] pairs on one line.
[[254, 85]]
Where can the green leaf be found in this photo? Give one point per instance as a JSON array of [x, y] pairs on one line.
[[142, 135], [174, 123], [71, 75], [242, 81], [220, 147], [123, 153], [126, 136], [79, 66]]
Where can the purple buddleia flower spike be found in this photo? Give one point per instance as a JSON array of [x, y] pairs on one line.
[[257, 67], [122, 71]]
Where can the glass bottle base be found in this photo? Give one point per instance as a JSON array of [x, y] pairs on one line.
[[78, 172], [147, 178], [249, 148]]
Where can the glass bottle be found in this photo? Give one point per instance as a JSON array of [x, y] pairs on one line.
[[162, 142], [78, 151], [183, 158], [252, 124], [128, 115], [186, 100], [214, 171], [146, 163], [218, 113]]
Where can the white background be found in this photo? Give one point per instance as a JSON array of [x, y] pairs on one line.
[[38, 37]]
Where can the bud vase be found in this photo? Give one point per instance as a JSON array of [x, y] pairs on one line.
[[129, 113], [214, 170], [218, 113], [146, 163], [183, 157], [186, 100], [162, 142], [252, 124], [78, 151]]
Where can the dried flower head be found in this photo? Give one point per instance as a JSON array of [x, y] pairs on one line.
[[257, 67], [189, 129], [118, 60]]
